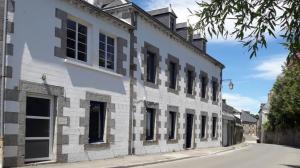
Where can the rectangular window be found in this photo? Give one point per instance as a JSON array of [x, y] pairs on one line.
[[190, 82], [97, 121], [214, 90], [172, 23], [151, 67], [106, 51], [76, 40], [203, 126], [172, 125], [150, 123], [173, 75], [214, 129], [203, 87]]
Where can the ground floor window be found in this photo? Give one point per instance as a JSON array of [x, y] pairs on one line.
[[214, 130], [150, 123], [97, 122], [172, 125], [203, 126]]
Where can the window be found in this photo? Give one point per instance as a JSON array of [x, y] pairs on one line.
[[173, 75], [150, 123], [97, 121], [203, 87], [214, 90], [172, 125], [203, 126], [172, 23], [151, 67], [106, 51], [190, 82], [76, 40], [214, 126]]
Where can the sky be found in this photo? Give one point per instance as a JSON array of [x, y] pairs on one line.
[[252, 78]]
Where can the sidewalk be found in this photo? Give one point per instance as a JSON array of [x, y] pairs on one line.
[[141, 160]]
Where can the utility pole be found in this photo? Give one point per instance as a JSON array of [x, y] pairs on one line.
[[2, 91]]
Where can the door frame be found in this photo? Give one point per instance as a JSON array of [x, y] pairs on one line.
[[51, 127], [192, 131]]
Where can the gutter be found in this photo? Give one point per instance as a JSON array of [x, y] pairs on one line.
[[3, 85]]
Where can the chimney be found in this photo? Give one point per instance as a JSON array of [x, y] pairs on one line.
[[183, 30], [199, 42], [166, 16]]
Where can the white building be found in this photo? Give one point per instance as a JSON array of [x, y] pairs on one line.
[[94, 80]]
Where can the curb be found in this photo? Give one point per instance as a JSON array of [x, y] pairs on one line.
[[239, 146]]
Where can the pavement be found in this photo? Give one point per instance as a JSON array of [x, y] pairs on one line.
[[143, 160]]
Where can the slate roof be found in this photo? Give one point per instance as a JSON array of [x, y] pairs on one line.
[[246, 117]]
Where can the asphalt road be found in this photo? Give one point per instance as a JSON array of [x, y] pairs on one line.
[[253, 156]]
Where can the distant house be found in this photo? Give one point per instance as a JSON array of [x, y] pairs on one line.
[[232, 130], [249, 123]]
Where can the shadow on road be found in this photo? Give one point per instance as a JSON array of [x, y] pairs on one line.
[[292, 166]]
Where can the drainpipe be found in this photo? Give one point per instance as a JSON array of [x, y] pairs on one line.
[[3, 85]]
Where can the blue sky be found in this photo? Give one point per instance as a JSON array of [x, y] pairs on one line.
[[253, 78]]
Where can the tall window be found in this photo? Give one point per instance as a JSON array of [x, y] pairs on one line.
[[190, 82], [76, 40], [106, 51], [150, 123], [203, 126], [172, 125], [151, 67], [214, 90], [203, 87], [172, 23], [97, 121], [173, 75], [214, 126]]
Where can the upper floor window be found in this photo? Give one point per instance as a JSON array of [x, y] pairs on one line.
[[203, 86], [173, 75], [190, 82], [151, 67], [76, 40], [106, 51], [214, 127], [172, 23], [214, 90], [203, 126]]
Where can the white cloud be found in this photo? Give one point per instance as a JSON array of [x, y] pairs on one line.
[[271, 68], [242, 102]]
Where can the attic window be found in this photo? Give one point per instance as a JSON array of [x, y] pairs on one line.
[[172, 23]]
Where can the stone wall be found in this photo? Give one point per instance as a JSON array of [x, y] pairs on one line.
[[289, 137]]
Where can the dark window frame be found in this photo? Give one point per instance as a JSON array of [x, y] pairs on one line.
[[173, 75], [150, 124], [172, 125], [203, 126], [214, 91], [214, 126], [107, 54], [151, 67], [190, 82], [100, 130]]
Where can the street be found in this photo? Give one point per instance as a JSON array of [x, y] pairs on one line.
[[253, 156]]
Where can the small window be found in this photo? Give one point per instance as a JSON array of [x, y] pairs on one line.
[[97, 121], [151, 67], [173, 75], [76, 40], [172, 23], [203, 126], [190, 82], [106, 51], [214, 127], [203, 87], [214, 90], [172, 125], [150, 123]]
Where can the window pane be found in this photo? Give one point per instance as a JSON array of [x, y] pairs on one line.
[[110, 41], [203, 124], [82, 47], [37, 128], [71, 44], [102, 38], [214, 90], [172, 122], [37, 107], [173, 75], [102, 46], [82, 29], [150, 124], [190, 82], [36, 149], [110, 49], [81, 56], [110, 65], [71, 34], [82, 38], [151, 68], [70, 53], [203, 87], [71, 24], [97, 122]]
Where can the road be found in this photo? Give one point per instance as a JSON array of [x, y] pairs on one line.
[[253, 156]]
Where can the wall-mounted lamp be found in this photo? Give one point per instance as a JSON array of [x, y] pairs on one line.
[[230, 85]]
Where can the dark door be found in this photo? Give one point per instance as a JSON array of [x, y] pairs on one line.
[[38, 129], [189, 131]]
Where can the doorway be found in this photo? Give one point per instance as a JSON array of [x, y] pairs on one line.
[[38, 131], [189, 130]]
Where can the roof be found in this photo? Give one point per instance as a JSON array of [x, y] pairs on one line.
[[229, 109], [166, 29], [247, 117], [162, 11]]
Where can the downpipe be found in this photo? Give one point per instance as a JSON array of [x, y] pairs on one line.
[[3, 85]]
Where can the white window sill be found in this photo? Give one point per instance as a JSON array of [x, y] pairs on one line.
[[89, 67]]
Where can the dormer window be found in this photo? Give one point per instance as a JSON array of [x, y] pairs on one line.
[[172, 23]]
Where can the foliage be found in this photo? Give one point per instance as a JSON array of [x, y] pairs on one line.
[[285, 99], [254, 21]]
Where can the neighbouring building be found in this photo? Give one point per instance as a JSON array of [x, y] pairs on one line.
[[232, 130], [249, 123], [263, 118], [98, 79]]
